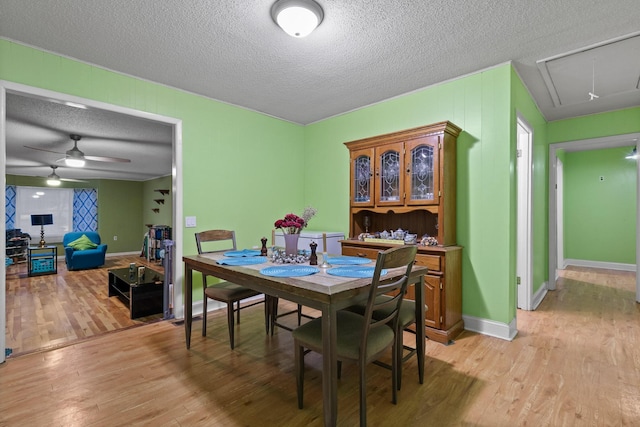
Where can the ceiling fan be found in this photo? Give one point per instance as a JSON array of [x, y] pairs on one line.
[[76, 158], [54, 180]]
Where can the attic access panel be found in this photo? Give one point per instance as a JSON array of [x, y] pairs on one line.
[[608, 69]]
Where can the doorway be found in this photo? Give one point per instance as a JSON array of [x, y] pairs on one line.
[[625, 140], [19, 89]]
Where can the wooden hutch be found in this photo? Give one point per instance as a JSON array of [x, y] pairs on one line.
[[407, 180]]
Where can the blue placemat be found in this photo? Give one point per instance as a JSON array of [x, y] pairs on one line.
[[289, 271], [243, 260], [357, 272], [348, 260], [244, 252]]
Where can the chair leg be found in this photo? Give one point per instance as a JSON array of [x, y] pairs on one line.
[[420, 356], [267, 312], [339, 369], [396, 361], [230, 324], [363, 394], [238, 310], [399, 348], [274, 313], [204, 316], [299, 314], [299, 368]]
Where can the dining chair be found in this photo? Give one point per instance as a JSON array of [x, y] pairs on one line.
[[226, 292], [362, 338], [406, 318], [273, 315]]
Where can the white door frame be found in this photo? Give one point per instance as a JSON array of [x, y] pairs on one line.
[[524, 269], [625, 140], [176, 167], [560, 213]]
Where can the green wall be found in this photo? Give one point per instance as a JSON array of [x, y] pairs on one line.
[[153, 199], [120, 214], [595, 126], [600, 215]]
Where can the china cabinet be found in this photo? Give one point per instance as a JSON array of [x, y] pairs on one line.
[[407, 180]]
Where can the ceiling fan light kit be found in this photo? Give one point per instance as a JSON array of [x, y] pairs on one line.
[[53, 179], [74, 157], [298, 18]]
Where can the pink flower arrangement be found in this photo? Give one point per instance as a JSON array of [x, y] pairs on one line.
[[293, 224]]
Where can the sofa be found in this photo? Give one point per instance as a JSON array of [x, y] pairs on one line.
[[80, 258]]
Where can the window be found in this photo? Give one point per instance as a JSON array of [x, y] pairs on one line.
[[43, 200]]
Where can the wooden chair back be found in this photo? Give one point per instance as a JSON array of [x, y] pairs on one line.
[[226, 238]]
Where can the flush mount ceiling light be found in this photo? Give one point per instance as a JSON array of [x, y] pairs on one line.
[[298, 18]]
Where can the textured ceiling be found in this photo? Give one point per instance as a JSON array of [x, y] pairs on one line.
[[363, 52]]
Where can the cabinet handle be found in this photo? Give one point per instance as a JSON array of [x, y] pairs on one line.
[[361, 255]]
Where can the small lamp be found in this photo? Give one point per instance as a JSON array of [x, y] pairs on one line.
[[42, 220], [298, 18]]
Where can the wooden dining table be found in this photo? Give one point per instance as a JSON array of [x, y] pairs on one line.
[[322, 291]]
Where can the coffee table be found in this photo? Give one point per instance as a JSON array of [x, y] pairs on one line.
[[144, 297]]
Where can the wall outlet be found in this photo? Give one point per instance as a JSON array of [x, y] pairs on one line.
[[115, 237], [601, 178]]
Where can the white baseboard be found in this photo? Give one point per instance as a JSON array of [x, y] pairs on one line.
[[599, 264], [491, 327], [539, 295], [114, 254]]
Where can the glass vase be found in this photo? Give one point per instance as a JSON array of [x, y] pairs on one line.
[[291, 244]]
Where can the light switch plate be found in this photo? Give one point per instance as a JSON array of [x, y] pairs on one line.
[[190, 221]]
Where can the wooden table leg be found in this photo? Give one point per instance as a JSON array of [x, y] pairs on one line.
[[188, 303], [329, 366]]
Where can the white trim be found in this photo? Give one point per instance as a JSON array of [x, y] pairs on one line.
[[176, 172], [540, 294], [600, 264], [524, 239], [115, 254], [491, 327]]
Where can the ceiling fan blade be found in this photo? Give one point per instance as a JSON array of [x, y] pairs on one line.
[[107, 159], [72, 180], [44, 149]]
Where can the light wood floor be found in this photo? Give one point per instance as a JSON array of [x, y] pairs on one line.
[[575, 362], [56, 309]]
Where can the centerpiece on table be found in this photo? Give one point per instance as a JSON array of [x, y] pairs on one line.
[[291, 226]]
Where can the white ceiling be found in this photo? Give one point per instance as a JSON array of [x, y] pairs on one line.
[[362, 53]]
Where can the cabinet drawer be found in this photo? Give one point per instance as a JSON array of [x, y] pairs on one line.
[[360, 252], [432, 262]]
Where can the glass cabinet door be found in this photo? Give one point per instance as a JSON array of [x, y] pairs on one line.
[[389, 182], [362, 177], [423, 171]]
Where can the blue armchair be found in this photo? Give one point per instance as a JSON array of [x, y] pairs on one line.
[[87, 258]]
